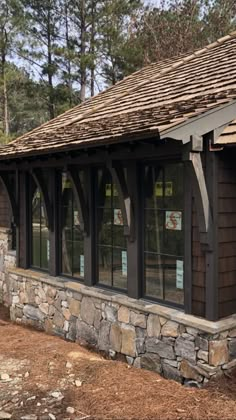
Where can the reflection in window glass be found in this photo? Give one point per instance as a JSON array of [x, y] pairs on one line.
[[40, 234], [112, 247], [164, 237], [71, 235]]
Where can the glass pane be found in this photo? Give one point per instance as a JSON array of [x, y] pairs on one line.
[[36, 245], [154, 222], [67, 257], [174, 186], [153, 264], [45, 247], [174, 280], [105, 265], [105, 233], [119, 268], [78, 259]]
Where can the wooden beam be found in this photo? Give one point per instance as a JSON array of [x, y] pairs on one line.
[[11, 194], [118, 175], [83, 210], [37, 174]]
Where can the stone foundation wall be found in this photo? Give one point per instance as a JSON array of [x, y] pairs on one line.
[[118, 326], [178, 346]]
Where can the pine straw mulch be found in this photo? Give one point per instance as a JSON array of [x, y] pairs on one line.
[[110, 389]]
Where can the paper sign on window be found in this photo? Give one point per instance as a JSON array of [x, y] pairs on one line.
[[179, 274], [108, 190], [118, 219], [174, 220], [82, 265], [168, 189], [76, 218], [124, 263]]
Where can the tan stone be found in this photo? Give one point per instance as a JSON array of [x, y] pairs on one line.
[[23, 297], [115, 337], [138, 320], [188, 371], [44, 308], [66, 314], [74, 307], [162, 320], [218, 352], [171, 329], [123, 314], [48, 325], [232, 333], [128, 346], [58, 319], [153, 326]]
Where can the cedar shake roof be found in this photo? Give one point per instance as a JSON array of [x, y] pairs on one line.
[[145, 104]]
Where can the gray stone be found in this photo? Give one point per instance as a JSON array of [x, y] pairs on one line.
[[229, 365], [130, 360], [165, 350], [151, 361], [185, 349], [103, 336], [187, 336], [110, 313], [173, 363], [138, 320], [202, 343], [203, 355], [232, 333], [170, 372], [97, 318], [140, 340], [58, 319], [86, 333], [33, 313], [232, 348], [87, 311], [153, 326], [4, 415], [192, 331], [71, 335], [137, 363]]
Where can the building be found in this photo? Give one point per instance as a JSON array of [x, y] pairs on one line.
[[125, 216]]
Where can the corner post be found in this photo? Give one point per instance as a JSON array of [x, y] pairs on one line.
[[134, 269], [89, 237], [54, 228], [25, 221]]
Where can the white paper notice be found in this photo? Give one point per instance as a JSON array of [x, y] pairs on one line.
[[124, 263], [82, 265], [179, 274], [174, 220]]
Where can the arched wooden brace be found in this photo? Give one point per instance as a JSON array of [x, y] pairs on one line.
[[11, 196], [79, 198], [193, 159], [43, 188], [118, 176]]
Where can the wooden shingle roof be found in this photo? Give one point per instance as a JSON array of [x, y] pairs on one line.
[[228, 136], [147, 103]]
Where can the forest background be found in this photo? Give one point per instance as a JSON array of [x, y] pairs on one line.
[[54, 54]]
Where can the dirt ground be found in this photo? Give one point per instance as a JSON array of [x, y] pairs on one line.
[[48, 378]]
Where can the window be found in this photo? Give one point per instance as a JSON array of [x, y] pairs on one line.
[[40, 235], [163, 232], [111, 243], [72, 240]]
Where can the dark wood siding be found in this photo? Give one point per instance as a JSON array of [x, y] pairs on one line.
[[198, 269], [227, 233], [5, 208]]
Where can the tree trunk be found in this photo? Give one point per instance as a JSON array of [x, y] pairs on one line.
[[82, 53], [68, 64], [51, 105], [92, 49], [6, 128]]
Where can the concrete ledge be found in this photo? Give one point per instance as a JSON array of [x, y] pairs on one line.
[[141, 305]]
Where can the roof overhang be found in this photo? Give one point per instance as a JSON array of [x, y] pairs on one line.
[[203, 124]]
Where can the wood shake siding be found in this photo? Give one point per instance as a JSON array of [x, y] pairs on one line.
[[5, 209], [198, 269], [227, 233]]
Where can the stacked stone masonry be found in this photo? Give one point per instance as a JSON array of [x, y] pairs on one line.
[[88, 316]]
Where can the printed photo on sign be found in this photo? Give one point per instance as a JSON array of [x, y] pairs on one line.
[[179, 274], [174, 220], [118, 219], [82, 265], [76, 218]]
